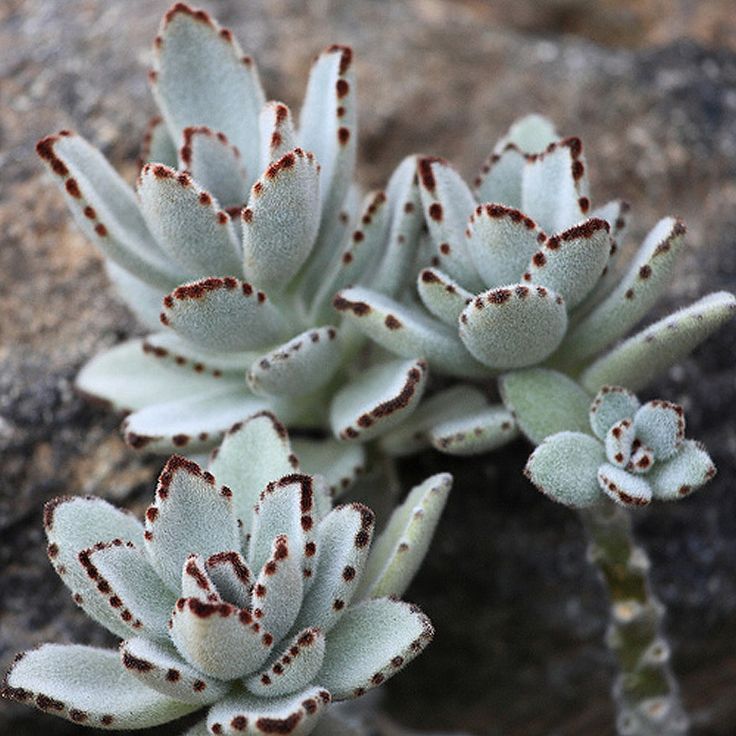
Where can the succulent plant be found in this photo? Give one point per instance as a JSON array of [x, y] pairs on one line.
[[523, 272], [254, 598], [638, 453], [242, 227]]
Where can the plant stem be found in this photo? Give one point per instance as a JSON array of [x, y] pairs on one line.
[[645, 691]]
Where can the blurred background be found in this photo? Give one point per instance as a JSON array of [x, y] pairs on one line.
[[649, 85]]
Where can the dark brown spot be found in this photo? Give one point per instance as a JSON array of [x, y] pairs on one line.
[[392, 323]]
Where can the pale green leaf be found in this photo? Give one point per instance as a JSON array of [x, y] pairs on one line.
[[476, 433], [685, 472], [442, 296], [623, 487]]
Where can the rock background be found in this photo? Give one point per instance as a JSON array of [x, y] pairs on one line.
[[649, 85]]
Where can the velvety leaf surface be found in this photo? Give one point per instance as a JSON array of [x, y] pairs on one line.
[[500, 179], [476, 433], [276, 128], [339, 463], [622, 487], [142, 299], [689, 468], [661, 426], [442, 296], [158, 145], [611, 405]]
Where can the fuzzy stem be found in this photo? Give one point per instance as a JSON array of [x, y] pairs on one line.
[[646, 692]]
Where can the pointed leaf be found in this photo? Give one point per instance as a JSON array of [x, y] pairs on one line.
[[473, 434], [158, 144], [219, 639], [223, 314], [690, 468], [196, 422], [196, 582], [638, 360], [252, 454], [130, 586], [442, 296], [452, 403], [277, 132], [380, 398], [513, 327], [447, 203], [215, 165], [293, 668], [105, 208], [281, 220], [660, 425], [545, 402], [373, 641], [501, 240], [277, 594], [130, 377], [73, 524], [500, 178], [611, 405], [187, 221], [565, 468], [407, 331], [572, 262], [201, 77], [191, 515], [532, 133], [343, 542], [160, 667], [243, 714], [622, 487], [554, 189], [302, 365], [88, 686], [648, 276], [232, 577], [399, 550], [339, 463]]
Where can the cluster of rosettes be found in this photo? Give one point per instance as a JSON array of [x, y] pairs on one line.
[[245, 224], [638, 453], [255, 599]]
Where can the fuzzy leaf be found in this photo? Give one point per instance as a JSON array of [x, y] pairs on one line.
[[130, 377], [277, 132], [554, 189], [648, 276], [160, 667], [343, 543], [545, 402], [88, 686], [201, 77], [501, 240], [572, 262], [187, 222], [195, 422], [191, 515], [232, 577], [622, 487], [532, 133], [447, 203], [642, 460], [380, 398], [399, 550], [688, 469], [476, 433], [302, 365], [611, 405], [660, 425], [219, 639], [442, 296], [73, 524], [242, 714], [327, 125], [277, 594], [452, 403], [196, 582], [253, 453], [339, 463], [223, 314], [281, 220], [291, 669], [158, 144], [565, 468], [372, 642], [501, 176], [407, 331], [215, 165], [618, 442], [638, 360], [105, 208], [143, 300], [513, 327], [130, 586]]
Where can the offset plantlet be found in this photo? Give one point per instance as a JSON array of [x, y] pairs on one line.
[[254, 600], [523, 271], [638, 453], [243, 225]]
